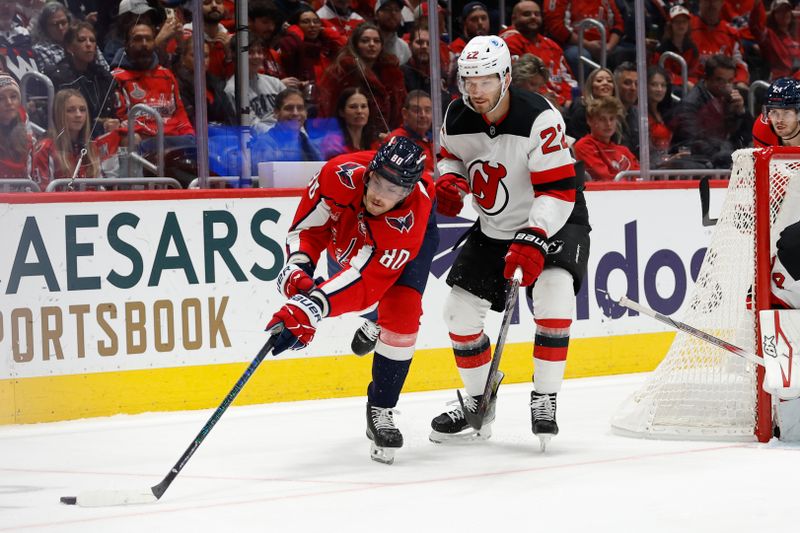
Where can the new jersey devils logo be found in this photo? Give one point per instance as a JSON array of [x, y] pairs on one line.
[[488, 188], [402, 224], [345, 174]]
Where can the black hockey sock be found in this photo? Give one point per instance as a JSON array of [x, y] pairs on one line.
[[388, 377]]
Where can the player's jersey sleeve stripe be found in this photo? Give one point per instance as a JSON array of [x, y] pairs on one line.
[[567, 195], [316, 218], [447, 155], [559, 185], [540, 177]]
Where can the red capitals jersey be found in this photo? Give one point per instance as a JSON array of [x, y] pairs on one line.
[[604, 161], [372, 250], [720, 39], [561, 80], [158, 89], [763, 134], [562, 16]]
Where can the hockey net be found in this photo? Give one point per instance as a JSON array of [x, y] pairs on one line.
[[700, 391]]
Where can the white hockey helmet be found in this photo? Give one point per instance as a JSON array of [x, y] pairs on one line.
[[482, 56]]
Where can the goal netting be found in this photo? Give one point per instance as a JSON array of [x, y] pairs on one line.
[[700, 391]]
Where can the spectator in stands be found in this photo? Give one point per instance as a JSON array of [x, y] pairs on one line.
[[363, 63], [264, 22], [307, 48], [140, 79], [604, 158], [340, 15], [262, 89], [220, 109], [352, 112], [715, 36], [18, 56], [68, 149], [530, 73], [288, 140], [131, 12], [27, 10], [678, 39], [737, 13], [417, 72], [389, 20], [561, 18], [221, 63], [659, 109], [712, 121], [48, 34], [15, 141], [80, 70], [474, 21], [600, 82], [627, 81], [525, 37], [417, 124], [777, 39]]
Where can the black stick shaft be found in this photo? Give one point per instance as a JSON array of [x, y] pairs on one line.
[[161, 488]]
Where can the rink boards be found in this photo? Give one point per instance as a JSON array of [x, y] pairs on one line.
[[126, 302]]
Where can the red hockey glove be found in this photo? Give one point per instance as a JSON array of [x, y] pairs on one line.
[[450, 192], [295, 278], [300, 316], [527, 252]]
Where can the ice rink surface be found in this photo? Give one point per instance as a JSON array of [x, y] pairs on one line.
[[305, 467]]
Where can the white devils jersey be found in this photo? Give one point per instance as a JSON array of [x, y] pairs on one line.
[[520, 170]]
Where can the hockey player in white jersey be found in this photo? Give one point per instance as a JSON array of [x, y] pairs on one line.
[[507, 147]]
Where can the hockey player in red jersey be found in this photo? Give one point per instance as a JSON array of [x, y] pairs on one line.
[[371, 212], [779, 124], [508, 149]]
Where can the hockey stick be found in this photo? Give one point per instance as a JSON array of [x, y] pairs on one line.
[[686, 328], [105, 498], [476, 419], [705, 202]]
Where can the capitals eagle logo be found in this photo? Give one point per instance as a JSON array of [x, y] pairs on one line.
[[403, 224]]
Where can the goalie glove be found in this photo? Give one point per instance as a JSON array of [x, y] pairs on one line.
[[299, 316], [527, 251], [295, 278], [450, 192]]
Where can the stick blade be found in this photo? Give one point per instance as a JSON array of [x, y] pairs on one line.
[[108, 498]]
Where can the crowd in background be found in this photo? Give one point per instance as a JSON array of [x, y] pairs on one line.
[[336, 76]]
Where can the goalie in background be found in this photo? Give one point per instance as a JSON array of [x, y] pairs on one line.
[[372, 213]]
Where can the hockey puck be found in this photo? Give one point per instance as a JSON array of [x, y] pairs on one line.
[[69, 500]]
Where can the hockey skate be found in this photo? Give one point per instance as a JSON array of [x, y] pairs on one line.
[[452, 426], [543, 417], [365, 338], [383, 433]]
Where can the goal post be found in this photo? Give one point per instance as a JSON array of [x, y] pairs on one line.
[[699, 391]]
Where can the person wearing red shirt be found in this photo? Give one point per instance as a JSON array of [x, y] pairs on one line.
[[339, 14], [562, 16], [221, 62], [778, 124], [678, 39], [659, 108], [777, 38], [15, 140], [712, 35], [525, 38], [364, 63], [475, 21], [417, 123], [141, 80], [604, 158], [307, 48], [372, 213]]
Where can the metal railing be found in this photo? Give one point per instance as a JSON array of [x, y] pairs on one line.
[[581, 28], [112, 184], [672, 56], [19, 185], [689, 173], [142, 109], [216, 180], [23, 84], [751, 95]]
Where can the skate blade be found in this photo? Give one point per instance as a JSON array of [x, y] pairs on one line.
[[470, 435], [544, 440], [382, 455]]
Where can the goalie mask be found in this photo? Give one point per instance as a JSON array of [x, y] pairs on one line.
[[484, 55]]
